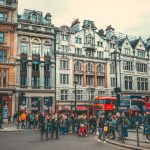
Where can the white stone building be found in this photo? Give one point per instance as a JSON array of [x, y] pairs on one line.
[[86, 55]]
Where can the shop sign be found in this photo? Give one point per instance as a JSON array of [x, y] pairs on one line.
[[5, 112]]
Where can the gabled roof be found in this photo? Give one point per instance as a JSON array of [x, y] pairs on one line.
[[121, 41], [134, 43]]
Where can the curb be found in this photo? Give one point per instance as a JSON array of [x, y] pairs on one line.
[[125, 145]]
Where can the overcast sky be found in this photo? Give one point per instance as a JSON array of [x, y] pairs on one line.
[[127, 16]]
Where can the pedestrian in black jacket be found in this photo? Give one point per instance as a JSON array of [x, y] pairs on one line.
[[44, 126], [146, 122], [55, 126]]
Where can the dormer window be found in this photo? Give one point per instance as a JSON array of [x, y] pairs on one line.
[[65, 37], [127, 51], [34, 17], [141, 54]]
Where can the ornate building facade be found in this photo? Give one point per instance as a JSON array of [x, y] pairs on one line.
[[8, 47], [35, 59], [80, 57], [44, 61], [86, 55]]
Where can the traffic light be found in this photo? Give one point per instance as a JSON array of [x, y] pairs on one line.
[[118, 99], [50, 101], [46, 101]]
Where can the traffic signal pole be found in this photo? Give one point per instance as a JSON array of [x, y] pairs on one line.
[[20, 96], [18, 110]]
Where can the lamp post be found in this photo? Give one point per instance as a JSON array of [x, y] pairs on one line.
[[116, 58], [75, 84]]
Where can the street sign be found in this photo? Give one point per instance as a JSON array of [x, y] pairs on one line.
[[122, 108]]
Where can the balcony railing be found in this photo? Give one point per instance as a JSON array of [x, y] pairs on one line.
[[35, 87], [46, 73], [78, 72], [36, 73], [90, 46], [100, 74], [89, 72], [9, 4]]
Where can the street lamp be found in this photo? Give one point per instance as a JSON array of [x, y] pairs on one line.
[[117, 89], [75, 83]]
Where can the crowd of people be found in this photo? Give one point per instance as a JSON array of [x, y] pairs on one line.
[[81, 125]]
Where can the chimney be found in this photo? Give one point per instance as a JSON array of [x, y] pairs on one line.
[[48, 17], [109, 31], [75, 26], [101, 32]]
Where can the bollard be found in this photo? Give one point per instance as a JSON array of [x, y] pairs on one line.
[[137, 131]]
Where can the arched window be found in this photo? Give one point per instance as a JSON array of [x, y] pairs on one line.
[[100, 68], [89, 67], [78, 66], [23, 48]]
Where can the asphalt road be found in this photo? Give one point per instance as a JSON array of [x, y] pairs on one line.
[[30, 140]]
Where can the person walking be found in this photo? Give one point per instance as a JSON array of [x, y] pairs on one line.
[[101, 124], [31, 121], [23, 119], [119, 126], [44, 127], [1, 120], [55, 126], [15, 117], [146, 122]]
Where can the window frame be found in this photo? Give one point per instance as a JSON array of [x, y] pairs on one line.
[[2, 35], [64, 95], [35, 81], [35, 66]]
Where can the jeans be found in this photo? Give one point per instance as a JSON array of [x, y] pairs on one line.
[[22, 124], [101, 133], [119, 130], [42, 132], [54, 129]]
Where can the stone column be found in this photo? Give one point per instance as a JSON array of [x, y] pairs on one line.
[[52, 75], [42, 75], [95, 75], [107, 77], [28, 101], [42, 48], [30, 46], [29, 74], [84, 75], [18, 74]]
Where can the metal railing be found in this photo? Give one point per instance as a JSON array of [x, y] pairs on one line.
[[137, 129]]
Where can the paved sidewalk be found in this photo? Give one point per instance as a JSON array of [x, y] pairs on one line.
[[9, 128], [131, 141]]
